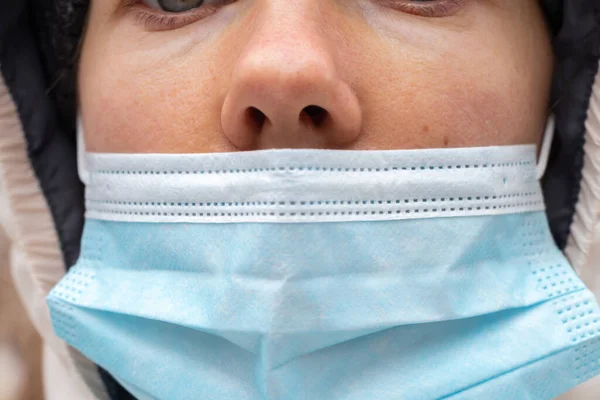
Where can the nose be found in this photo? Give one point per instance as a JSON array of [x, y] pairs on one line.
[[286, 92]]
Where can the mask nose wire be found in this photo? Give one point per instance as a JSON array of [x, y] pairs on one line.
[[82, 168], [542, 163]]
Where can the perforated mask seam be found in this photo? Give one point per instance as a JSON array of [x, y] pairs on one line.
[[311, 169]]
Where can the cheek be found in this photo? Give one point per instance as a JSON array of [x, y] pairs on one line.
[[158, 93], [486, 84], [445, 110], [152, 110], [455, 107]]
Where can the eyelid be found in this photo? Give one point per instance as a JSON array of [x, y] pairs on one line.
[[431, 9], [155, 19], [154, 4]]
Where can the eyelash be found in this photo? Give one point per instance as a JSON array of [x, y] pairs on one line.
[[156, 20], [439, 8]]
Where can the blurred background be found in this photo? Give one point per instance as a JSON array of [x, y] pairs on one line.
[[20, 345]]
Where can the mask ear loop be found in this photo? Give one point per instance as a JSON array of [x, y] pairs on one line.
[[81, 159], [542, 164]]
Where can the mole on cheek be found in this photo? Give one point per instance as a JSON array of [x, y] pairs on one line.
[[446, 141]]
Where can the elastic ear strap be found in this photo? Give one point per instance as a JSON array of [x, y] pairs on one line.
[[546, 147], [81, 158]]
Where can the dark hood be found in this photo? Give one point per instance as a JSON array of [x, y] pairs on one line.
[[39, 42]]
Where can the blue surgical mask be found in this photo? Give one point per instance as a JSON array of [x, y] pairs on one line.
[[326, 275]]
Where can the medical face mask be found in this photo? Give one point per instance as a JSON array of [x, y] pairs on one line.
[[326, 275]]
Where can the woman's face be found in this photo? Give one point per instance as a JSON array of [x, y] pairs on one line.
[[188, 76]]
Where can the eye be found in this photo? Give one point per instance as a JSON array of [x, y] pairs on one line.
[[174, 6], [427, 8], [161, 15]]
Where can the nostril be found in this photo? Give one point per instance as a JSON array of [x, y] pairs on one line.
[[316, 114], [256, 118]]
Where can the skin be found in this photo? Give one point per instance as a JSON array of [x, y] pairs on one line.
[[386, 78]]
